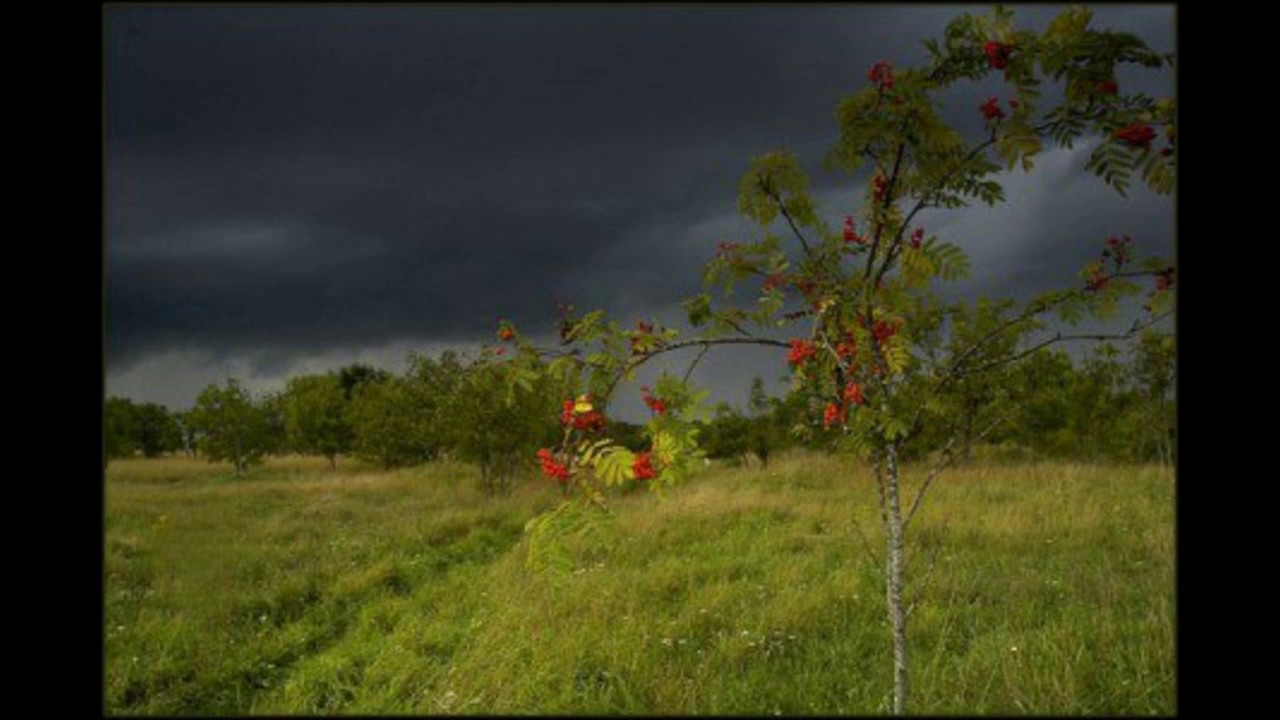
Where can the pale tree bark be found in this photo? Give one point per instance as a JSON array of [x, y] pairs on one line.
[[896, 559]]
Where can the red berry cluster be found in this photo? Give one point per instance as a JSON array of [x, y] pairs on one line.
[[773, 280], [1108, 87], [505, 331], [879, 186], [882, 75], [801, 350], [591, 420], [550, 467], [883, 330], [834, 414], [849, 234], [1118, 250], [1097, 279], [991, 109], [643, 329], [642, 468], [853, 393], [654, 402], [998, 53], [917, 237], [1137, 135], [804, 285], [846, 350]]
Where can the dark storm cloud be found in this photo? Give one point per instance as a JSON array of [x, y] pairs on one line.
[[285, 182]]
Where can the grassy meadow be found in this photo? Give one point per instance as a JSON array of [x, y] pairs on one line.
[[300, 589]]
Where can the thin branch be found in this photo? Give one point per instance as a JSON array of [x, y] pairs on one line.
[[888, 200], [694, 364], [866, 545], [948, 458], [876, 473], [638, 361], [928, 574], [1059, 337], [808, 250]]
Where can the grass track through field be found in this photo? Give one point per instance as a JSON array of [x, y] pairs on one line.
[[304, 590]]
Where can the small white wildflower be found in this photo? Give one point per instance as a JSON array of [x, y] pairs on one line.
[[666, 641], [1013, 649]]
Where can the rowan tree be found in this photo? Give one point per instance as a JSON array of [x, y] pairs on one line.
[[857, 295]]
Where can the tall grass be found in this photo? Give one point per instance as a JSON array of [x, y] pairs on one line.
[[303, 590]]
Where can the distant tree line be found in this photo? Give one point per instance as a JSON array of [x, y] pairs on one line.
[[1105, 407], [450, 406]]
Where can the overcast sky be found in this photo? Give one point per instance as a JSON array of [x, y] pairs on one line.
[[290, 189]]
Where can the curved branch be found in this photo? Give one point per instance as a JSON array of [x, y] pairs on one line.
[[782, 207], [1059, 337], [706, 344]]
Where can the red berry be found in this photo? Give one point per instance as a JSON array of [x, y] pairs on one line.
[[801, 350], [853, 393], [1137, 135], [655, 404], [833, 414], [642, 466], [882, 75], [883, 330], [997, 53], [550, 467], [991, 109]]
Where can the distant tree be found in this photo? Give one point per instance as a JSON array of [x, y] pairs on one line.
[[1099, 407], [315, 416], [389, 427], [727, 435], [1152, 375], [232, 427], [354, 375], [271, 405], [1044, 385], [187, 428], [431, 383], [762, 432], [118, 424], [155, 431], [497, 425]]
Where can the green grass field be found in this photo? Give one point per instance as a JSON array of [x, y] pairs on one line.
[[298, 589]]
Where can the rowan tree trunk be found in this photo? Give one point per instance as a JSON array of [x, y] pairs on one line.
[[895, 558]]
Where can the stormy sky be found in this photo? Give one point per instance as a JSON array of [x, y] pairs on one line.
[[290, 189]]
